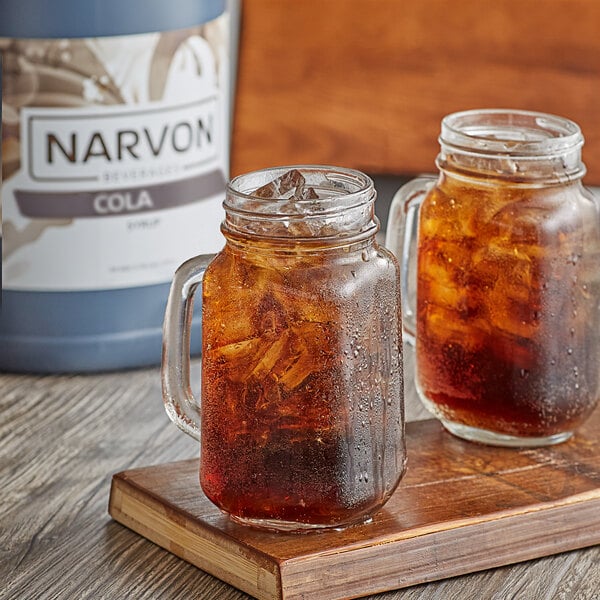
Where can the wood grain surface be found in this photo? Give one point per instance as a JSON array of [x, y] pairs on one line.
[[61, 440], [461, 507], [365, 83]]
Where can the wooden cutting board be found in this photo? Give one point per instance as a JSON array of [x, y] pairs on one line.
[[461, 507]]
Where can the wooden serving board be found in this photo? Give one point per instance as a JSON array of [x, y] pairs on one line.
[[461, 507]]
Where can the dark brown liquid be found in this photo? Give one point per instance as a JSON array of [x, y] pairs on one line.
[[507, 317], [294, 400]]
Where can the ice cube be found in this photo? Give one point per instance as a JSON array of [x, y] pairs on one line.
[[506, 267], [524, 224], [289, 357], [278, 188], [309, 341], [444, 272], [240, 358], [305, 193], [448, 326], [508, 273]]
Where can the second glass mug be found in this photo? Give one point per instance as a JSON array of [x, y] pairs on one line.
[[302, 422], [507, 280]]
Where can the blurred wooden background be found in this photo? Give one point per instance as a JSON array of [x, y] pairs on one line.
[[365, 83]]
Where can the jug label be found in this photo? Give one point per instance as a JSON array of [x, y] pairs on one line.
[[115, 157]]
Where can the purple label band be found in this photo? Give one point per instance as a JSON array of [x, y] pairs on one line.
[[119, 201]]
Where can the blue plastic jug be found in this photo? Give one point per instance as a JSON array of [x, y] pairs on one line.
[[115, 157]]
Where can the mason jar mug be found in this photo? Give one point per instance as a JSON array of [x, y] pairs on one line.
[[507, 280], [301, 417]]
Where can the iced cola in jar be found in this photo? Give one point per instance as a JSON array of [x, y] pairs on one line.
[[508, 281], [302, 392]]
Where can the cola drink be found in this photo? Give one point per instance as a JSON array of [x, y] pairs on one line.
[[507, 307], [302, 416]]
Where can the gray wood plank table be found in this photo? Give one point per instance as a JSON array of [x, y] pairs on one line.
[[62, 438]]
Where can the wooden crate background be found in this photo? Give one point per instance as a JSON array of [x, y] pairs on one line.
[[365, 83]]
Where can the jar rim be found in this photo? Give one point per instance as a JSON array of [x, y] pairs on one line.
[[510, 132], [340, 207], [242, 186]]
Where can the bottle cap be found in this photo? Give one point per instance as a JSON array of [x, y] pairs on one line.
[[93, 18]]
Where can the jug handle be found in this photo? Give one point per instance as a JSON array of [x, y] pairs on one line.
[[180, 403], [401, 234]]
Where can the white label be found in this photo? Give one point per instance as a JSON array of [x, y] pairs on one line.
[[120, 177], [61, 145]]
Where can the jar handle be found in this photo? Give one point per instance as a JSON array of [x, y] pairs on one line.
[[180, 404], [401, 238]]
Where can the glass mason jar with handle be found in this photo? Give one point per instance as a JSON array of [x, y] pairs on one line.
[[507, 241], [301, 416]]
